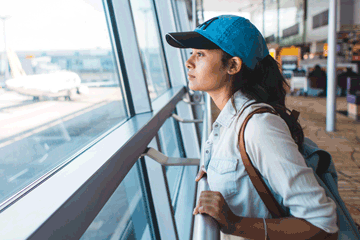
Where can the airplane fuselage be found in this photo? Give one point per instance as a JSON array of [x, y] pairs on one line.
[[57, 84]]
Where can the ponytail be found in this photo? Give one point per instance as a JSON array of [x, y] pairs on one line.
[[266, 84]]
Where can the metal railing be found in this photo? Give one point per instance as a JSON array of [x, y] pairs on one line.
[[205, 227], [66, 212]]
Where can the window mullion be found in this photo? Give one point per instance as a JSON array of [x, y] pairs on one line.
[[131, 53]]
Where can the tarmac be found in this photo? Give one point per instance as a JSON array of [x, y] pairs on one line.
[[343, 144]]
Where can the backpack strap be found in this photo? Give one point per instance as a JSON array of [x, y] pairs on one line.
[[295, 114], [262, 189]]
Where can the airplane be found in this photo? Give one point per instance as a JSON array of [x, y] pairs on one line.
[[51, 85]]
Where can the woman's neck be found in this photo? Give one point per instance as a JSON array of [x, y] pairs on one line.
[[220, 97]]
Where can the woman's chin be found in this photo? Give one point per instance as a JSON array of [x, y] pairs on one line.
[[197, 89], [194, 87]]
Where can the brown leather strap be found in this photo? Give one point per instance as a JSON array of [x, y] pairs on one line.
[[247, 106], [255, 177]]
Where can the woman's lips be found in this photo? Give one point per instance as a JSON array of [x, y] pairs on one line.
[[191, 76]]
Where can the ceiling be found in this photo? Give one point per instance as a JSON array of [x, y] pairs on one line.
[[230, 5]]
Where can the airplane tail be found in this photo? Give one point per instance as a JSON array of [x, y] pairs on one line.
[[15, 65]]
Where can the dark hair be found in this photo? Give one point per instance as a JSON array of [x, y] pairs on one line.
[[317, 67], [267, 85]]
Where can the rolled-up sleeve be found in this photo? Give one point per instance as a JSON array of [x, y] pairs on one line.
[[275, 154]]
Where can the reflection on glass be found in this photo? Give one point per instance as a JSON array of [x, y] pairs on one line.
[[124, 216], [63, 88], [170, 147], [149, 43]]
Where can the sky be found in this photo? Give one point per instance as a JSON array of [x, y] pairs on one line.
[[40, 25], [54, 25]]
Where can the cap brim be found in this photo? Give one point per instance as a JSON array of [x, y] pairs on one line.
[[189, 40]]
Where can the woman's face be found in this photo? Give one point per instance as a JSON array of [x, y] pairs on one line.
[[206, 71]]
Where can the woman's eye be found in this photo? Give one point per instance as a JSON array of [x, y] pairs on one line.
[[200, 54]]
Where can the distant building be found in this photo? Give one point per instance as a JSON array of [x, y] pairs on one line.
[[93, 66]]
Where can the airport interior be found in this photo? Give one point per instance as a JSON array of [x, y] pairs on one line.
[[101, 136]]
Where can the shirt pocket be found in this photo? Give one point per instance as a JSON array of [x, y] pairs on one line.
[[222, 176]]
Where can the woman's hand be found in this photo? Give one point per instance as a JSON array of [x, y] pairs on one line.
[[201, 173], [214, 204]]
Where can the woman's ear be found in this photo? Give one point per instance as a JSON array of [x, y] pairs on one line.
[[235, 64]]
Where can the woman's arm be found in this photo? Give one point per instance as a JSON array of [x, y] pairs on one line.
[[213, 204], [282, 228], [275, 154]]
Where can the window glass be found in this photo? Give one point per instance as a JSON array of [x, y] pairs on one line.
[[147, 31], [183, 24], [61, 91], [125, 215], [170, 147]]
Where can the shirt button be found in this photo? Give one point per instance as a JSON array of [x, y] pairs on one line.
[[207, 151], [216, 125], [215, 134]]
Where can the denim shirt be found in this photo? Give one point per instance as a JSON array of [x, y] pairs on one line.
[[275, 154]]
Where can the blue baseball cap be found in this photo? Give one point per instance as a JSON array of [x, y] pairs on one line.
[[235, 35]]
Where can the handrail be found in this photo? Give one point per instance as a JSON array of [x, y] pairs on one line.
[[179, 119], [205, 226], [169, 161], [66, 212]]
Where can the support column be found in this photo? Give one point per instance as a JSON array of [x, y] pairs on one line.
[[263, 33], [278, 21], [331, 69], [194, 14]]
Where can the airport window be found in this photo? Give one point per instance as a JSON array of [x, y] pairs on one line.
[[148, 38], [55, 103], [291, 19], [270, 38], [321, 19], [171, 147], [270, 20], [126, 214], [293, 30]]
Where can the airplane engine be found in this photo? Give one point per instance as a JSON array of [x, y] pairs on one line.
[[82, 90]]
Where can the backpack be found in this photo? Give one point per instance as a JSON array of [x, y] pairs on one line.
[[324, 170]]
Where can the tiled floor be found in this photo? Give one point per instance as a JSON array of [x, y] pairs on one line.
[[343, 144]]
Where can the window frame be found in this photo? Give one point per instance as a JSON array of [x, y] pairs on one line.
[[177, 70], [95, 174], [162, 55], [129, 53], [51, 211], [128, 104]]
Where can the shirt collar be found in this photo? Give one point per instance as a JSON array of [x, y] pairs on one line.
[[228, 113]]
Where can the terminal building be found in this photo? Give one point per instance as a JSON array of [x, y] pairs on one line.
[[102, 138]]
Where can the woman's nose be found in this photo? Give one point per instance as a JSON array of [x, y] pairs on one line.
[[188, 63]]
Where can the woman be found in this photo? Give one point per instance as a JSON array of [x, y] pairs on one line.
[[230, 61]]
